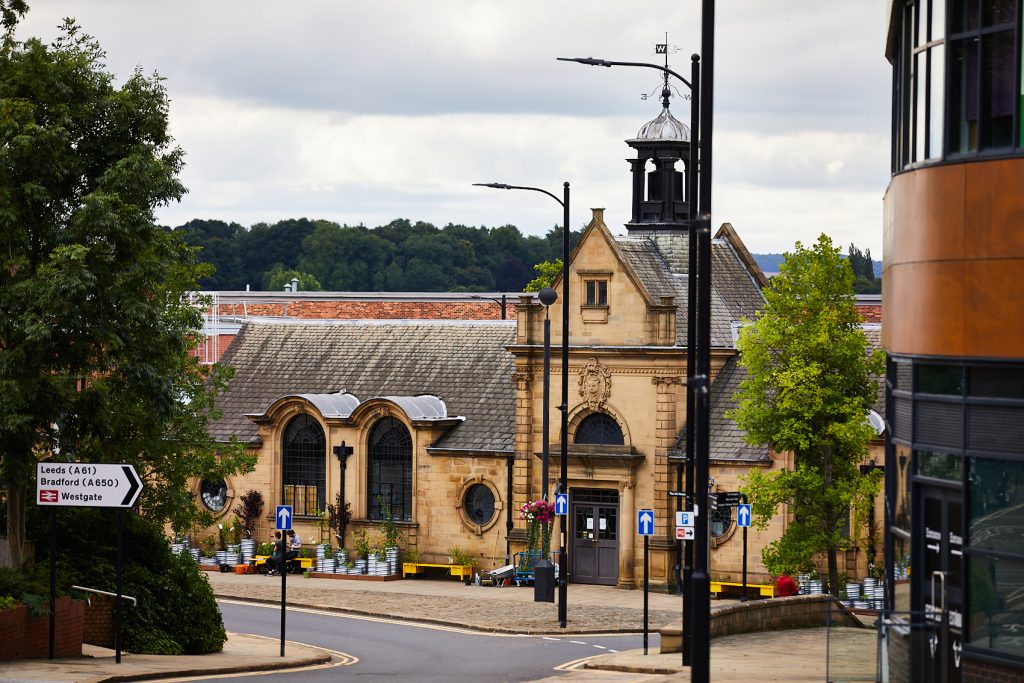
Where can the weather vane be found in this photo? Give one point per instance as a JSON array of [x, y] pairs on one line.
[[667, 88]]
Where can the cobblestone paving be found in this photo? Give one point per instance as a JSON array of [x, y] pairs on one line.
[[481, 608]]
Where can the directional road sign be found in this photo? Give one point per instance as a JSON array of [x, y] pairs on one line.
[[684, 518], [561, 503], [99, 485], [729, 498], [684, 533], [645, 522], [283, 517], [743, 515]]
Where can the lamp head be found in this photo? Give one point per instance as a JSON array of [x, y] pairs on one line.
[[589, 61], [547, 296], [495, 186]]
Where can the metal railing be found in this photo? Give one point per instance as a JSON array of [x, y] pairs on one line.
[[97, 591]]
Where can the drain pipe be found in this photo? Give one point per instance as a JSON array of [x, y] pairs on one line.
[[510, 460]]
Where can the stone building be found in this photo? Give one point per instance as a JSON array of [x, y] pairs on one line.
[[445, 416]]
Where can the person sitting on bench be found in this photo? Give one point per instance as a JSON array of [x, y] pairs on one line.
[[274, 561], [294, 545]]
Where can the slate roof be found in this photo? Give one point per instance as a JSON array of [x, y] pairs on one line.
[[463, 363], [661, 262], [726, 438]]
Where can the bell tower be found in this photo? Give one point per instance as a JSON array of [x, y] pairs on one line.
[[660, 173]]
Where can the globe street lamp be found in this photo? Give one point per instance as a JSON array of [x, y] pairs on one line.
[[564, 407]]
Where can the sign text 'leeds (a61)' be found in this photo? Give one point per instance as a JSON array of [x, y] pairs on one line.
[[86, 484]]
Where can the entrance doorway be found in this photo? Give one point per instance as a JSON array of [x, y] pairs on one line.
[[595, 536], [940, 584]]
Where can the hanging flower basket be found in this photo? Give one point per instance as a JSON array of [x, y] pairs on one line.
[[539, 515]]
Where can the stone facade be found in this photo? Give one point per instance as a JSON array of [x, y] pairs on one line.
[[627, 370]]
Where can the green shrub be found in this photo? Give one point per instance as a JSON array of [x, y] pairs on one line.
[[7, 602], [176, 611]]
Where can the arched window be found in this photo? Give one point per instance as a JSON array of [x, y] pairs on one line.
[[599, 428], [390, 470], [305, 457]]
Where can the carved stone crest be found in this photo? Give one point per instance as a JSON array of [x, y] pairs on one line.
[[595, 384]]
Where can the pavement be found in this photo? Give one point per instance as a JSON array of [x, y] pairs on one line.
[[792, 656]]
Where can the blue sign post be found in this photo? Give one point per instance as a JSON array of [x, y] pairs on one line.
[[283, 517], [645, 527], [561, 503], [743, 515], [645, 522]]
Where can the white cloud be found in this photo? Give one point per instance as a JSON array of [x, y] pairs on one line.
[[364, 112]]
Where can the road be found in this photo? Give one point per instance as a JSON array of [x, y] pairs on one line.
[[394, 650]]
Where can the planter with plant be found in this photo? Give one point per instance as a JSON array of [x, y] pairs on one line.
[[338, 518], [249, 508]]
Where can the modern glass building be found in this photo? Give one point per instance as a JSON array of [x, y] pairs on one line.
[[953, 325]]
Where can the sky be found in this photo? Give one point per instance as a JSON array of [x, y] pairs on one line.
[[364, 112]]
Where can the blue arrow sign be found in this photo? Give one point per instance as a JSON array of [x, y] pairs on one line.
[[743, 515], [561, 503], [645, 522], [284, 517]]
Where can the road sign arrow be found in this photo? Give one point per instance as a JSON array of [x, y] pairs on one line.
[[743, 515], [561, 503], [646, 525], [134, 486]]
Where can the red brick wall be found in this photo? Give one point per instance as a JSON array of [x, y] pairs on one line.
[[373, 310], [977, 671], [870, 313], [23, 636], [99, 621]]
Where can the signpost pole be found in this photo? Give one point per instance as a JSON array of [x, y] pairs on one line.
[[743, 597], [646, 586], [53, 580], [120, 573]]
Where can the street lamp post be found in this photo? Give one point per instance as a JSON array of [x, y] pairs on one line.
[[564, 407], [696, 586], [503, 302]]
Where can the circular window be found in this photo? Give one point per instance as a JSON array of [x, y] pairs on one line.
[[721, 520], [214, 494], [479, 503]]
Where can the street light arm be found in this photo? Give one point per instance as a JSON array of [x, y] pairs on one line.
[[592, 61], [504, 186]]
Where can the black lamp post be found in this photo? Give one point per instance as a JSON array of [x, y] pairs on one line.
[[503, 302], [564, 407], [696, 586]]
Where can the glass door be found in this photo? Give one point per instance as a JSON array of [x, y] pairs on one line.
[[940, 584]]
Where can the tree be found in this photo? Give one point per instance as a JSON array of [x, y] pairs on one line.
[[277, 277], [863, 267], [810, 383], [96, 330], [547, 272]]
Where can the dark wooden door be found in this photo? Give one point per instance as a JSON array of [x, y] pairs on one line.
[[595, 536]]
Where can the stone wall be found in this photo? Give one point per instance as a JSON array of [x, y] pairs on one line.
[[798, 611]]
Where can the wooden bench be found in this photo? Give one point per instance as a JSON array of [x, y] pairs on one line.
[[766, 589], [462, 571]]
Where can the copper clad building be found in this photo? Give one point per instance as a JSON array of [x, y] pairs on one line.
[[953, 324]]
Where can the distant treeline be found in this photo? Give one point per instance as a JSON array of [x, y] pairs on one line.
[[398, 257]]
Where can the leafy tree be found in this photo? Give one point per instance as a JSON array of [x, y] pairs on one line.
[[863, 268], [265, 245], [96, 331], [277, 277], [810, 383], [219, 242], [12, 11], [547, 272]]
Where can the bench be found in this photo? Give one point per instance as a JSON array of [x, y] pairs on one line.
[[766, 589], [302, 562], [462, 571]]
